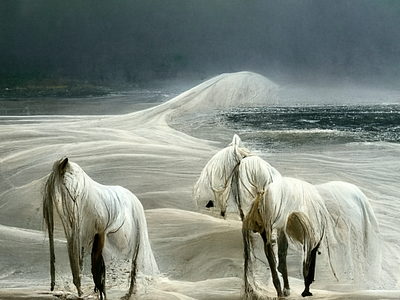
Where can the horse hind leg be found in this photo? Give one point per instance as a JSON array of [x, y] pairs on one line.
[[248, 289], [298, 227], [282, 266], [98, 265], [309, 271]]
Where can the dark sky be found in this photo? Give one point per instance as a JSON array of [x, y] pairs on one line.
[[134, 40]]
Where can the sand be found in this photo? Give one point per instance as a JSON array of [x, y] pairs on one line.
[[199, 254]]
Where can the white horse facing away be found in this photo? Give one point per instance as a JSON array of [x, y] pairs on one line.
[[93, 214], [336, 216]]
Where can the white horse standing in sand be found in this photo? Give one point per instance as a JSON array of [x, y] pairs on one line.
[[93, 214], [335, 214]]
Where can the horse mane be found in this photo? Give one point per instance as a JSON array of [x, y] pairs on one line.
[[58, 182], [50, 189], [48, 210], [257, 173]]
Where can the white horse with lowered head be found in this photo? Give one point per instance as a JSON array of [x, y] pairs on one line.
[[310, 216], [93, 214]]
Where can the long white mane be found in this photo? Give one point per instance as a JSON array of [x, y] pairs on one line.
[[215, 181], [254, 177]]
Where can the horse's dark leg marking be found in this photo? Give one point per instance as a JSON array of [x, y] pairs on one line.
[[81, 259], [98, 265], [241, 214], [246, 243], [48, 216], [269, 252], [309, 271], [282, 266]]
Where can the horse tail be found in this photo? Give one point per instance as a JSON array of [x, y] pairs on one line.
[[134, 266], [49, 222], [330, 260], [147, 262]]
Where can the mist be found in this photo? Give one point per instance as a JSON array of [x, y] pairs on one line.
[[141, 40]]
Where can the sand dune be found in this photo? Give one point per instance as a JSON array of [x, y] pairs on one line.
[[199, 255]]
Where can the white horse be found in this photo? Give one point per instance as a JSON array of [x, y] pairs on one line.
[[294, 208], [92, 215]]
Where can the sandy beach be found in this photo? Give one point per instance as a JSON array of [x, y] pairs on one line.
[[158, 153]]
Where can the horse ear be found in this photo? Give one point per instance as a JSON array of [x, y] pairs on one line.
[[235, 143], [63, 164], [236, 140]]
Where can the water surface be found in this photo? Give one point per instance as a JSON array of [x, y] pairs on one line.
[[287, 127]]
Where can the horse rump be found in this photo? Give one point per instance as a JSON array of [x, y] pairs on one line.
[[300, 230]]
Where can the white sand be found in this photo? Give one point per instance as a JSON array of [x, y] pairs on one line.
[[199, 255]]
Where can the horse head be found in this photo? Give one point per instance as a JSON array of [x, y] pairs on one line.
[[219, 173], [64, 184]]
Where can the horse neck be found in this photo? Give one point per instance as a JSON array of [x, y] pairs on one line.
[[74, 190], [255, 178]]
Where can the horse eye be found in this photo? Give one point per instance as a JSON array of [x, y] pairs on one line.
[[210, 204]]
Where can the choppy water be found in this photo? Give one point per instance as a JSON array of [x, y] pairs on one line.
[[274, 127]]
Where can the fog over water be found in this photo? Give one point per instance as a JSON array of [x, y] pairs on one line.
[[142, 40]]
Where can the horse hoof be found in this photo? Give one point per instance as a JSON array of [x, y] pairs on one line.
[[286, 292], [306, 294]]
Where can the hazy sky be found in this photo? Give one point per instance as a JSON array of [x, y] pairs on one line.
[[145, 39]]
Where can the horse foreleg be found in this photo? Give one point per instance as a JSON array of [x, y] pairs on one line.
[[309, 271], [52, 265], [282, 266], [81, 259], [48, 217], [98, 265], [247, 262], [52, 257], [269, 252], [74, 262]]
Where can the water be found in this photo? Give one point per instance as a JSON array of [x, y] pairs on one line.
[[113, 104], [288, 127]]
